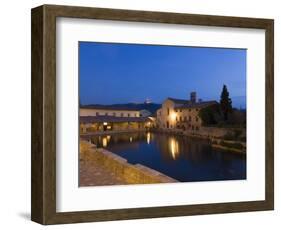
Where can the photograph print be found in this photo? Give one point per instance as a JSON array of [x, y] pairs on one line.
[[161, 114]]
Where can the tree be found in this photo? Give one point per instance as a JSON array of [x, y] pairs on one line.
[[210, 115], [225, 103]]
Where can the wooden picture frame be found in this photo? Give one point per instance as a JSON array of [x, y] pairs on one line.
[[43, 207]]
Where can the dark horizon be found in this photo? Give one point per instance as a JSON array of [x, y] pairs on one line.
[[132, 73]]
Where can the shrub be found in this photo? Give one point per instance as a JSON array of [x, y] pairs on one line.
[[210, 115], [232, 145], [228, 136], [214, 142]]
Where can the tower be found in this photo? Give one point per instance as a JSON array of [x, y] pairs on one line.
[[193, 97]]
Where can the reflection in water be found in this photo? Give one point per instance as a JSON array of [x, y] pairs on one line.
[[174, 147], [104, 142], [180, 157], [148, 138]]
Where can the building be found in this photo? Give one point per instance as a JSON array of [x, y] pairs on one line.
[[100, 118], [181, 114]]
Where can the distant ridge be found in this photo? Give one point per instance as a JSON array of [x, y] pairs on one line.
[[151, 107]]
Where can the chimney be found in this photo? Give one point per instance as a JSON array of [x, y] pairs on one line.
[[193, 97]]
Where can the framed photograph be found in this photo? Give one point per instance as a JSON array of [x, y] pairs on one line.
[[141, 114]]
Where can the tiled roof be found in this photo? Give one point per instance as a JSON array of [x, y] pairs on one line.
[[178, 101], [197, 105], [108, 107], [100, 119]]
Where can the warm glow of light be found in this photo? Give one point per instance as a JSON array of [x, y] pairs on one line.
[[131, 139], [104, 123], [174, 147], [148, 138], [104, 141], [108, 137], [173, 116]]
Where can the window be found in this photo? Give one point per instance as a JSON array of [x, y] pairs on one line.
[[168, 111], [176, 118], [185, 118], [197, 110], [128, 115], [122, 114], [197, 128], [105, 114], [180, 119], [189, 118], [189, 110], [180, 110], [176, 110], [97, 113], [197, 118], [114, 114]]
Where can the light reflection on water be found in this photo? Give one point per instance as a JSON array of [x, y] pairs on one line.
[[148, 138], [183, 158], [174, 147]]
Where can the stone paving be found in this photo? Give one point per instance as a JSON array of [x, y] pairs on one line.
[[93, 174]]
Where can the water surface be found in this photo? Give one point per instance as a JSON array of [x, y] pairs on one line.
[[182, 158]]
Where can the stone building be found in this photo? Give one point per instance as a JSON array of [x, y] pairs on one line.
[[109, 118], [181, 114]]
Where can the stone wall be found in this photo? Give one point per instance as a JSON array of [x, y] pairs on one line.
[[212, 132], [132, 174], [215, 132]]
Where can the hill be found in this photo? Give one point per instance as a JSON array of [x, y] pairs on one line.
[[151, 107]]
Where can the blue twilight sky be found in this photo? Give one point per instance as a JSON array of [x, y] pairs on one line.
[[111, 73]]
